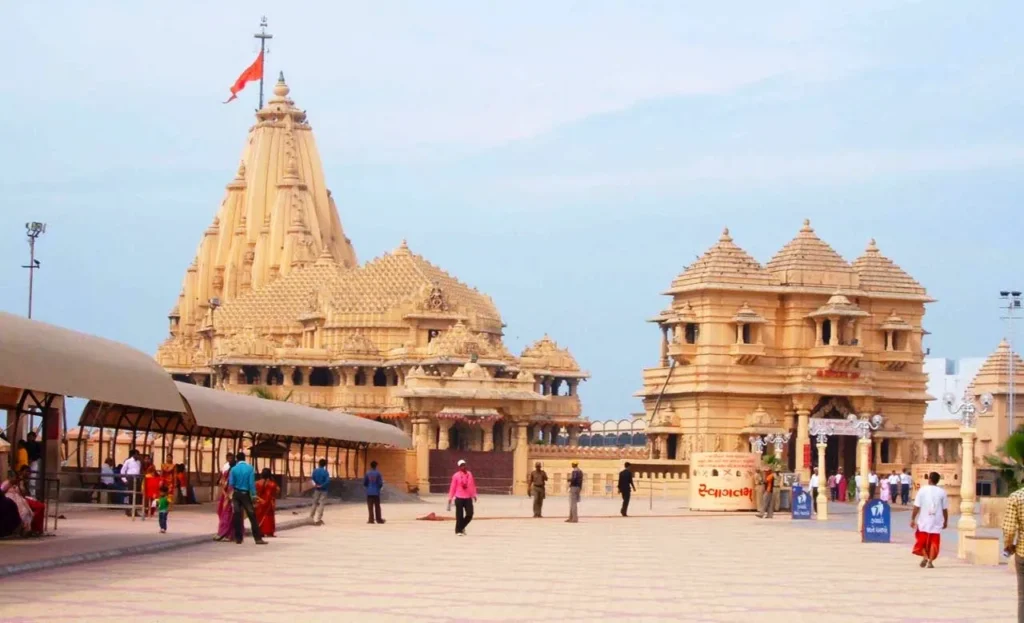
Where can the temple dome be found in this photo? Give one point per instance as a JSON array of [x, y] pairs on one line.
[[994, 375], [545, 355], [808, 261], [724, 264]]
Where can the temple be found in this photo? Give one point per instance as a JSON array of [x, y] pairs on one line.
[[276, 304], [751, 350]]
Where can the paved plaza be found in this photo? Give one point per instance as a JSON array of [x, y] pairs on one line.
[[661, 565]]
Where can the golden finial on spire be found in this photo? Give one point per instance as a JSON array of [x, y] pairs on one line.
[[725, 237], [807, 226]]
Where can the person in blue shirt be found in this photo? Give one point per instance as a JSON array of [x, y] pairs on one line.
[[242, 482], [373, 482], [321, 478]]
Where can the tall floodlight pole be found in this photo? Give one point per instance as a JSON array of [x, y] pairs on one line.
[[263, 36], [1011, 299], [34, 230]]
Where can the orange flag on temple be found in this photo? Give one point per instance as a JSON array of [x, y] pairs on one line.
[[252, 72]]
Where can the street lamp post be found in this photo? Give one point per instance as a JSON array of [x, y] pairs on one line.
[[822, 433], [757, 445], [1012, 300], [780, 440], [967, 412], [34, 230], [864, 427]]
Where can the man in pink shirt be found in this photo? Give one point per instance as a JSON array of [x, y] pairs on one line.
[[463, 492]]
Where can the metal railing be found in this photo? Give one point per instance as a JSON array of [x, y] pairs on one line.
[[489, 486]]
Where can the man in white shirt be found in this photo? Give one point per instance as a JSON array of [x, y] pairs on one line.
[[132, 467], [905, 482], [857, 480], [929, 519], [872, 485], [814, 488], [894, 487]]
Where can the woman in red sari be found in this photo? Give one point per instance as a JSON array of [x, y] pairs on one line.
[[266, 502], [167, 477], [150, 490], [31, 511]]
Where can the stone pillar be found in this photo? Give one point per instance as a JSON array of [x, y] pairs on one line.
[[231, 375], [833, 337], [877, 447], [488, 428], [444, 427], [350, 376], [967, 525], [823, 492], [286, 374], [574, 436], [803, 440], [433, 435], [422, 427], [520, 460], [307, 371], [264, 372], [863, 455], [818, 339], [665, 346], [899, 450]]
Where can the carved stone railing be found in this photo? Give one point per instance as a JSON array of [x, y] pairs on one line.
[[625, 452]]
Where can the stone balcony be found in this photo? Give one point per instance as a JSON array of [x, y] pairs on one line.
[[836, 356], [895, 360], [682, 353], [746, 354]]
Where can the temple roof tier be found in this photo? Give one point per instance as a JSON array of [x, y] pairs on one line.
[[994, 374], [808, 261], [724, 264], [895, 323], [746, 315], [879, 274]]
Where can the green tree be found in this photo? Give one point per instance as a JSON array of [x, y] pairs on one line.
[[1009, 461], [266, 394]]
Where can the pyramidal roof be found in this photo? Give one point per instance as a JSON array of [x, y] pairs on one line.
[[994, 374], [277, 215], [878, 273], [723, 264], [400, 276], [808, 261]]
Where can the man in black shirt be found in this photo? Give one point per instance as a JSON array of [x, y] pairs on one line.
[[575, 488], [35, 452], [626, 487]]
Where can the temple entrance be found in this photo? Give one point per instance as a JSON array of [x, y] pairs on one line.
[[841, 450], [492, 471]]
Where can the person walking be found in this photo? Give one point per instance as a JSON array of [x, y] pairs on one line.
[[321, 478], [463, 492], [833, 491], [242, 481], [872, 484], [536, 488], [768, 499], [1013, 535], [905, 480], [132, 467], [373, 482], [894, 487], [575, 488], [841, 484], [929, 519], [163, 507], [814, 489], [626, 488]]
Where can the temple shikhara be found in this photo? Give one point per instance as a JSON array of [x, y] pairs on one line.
[[750, 349], [276, 303]]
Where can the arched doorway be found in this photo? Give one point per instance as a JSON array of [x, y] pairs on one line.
[[842, 449]]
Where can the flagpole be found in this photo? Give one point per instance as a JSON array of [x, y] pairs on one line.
[[263, 35]]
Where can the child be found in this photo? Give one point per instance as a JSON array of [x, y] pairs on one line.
[[163, 504]]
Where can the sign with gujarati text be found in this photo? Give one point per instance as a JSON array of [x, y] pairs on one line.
[[722, 481], [841, 427], [802, 503], [877, 523]]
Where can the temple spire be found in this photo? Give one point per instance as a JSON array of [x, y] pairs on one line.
[[262, 35]]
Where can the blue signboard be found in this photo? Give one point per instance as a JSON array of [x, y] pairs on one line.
[[802, 503], [877, 522]]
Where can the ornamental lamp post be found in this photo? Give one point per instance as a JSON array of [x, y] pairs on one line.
[[780, 440], [756, 445], [864, 426], [967, 412], [822, 433]]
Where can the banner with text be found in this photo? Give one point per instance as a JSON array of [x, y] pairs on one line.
[[722, 481]]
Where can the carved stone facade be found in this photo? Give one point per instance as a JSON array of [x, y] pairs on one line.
[[750, 350], [284, 307]]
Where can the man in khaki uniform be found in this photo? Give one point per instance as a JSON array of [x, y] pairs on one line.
[[536, 488]]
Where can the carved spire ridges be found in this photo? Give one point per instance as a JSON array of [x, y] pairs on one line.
[[994, 377], [723, 264], [878, 273]]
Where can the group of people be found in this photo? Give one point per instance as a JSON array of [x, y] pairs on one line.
[[894, 488], [243, 495], [21, 514]]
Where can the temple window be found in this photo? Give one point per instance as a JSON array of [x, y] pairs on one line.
[[297, 376], [556, 387], [745, 333], [380, 378], [691, 332], [431, 334], [360, 377], [251, 375], [826, 331], [320, 377], [275, 377]]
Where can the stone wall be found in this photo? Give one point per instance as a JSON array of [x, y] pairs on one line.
[[601, 475]]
